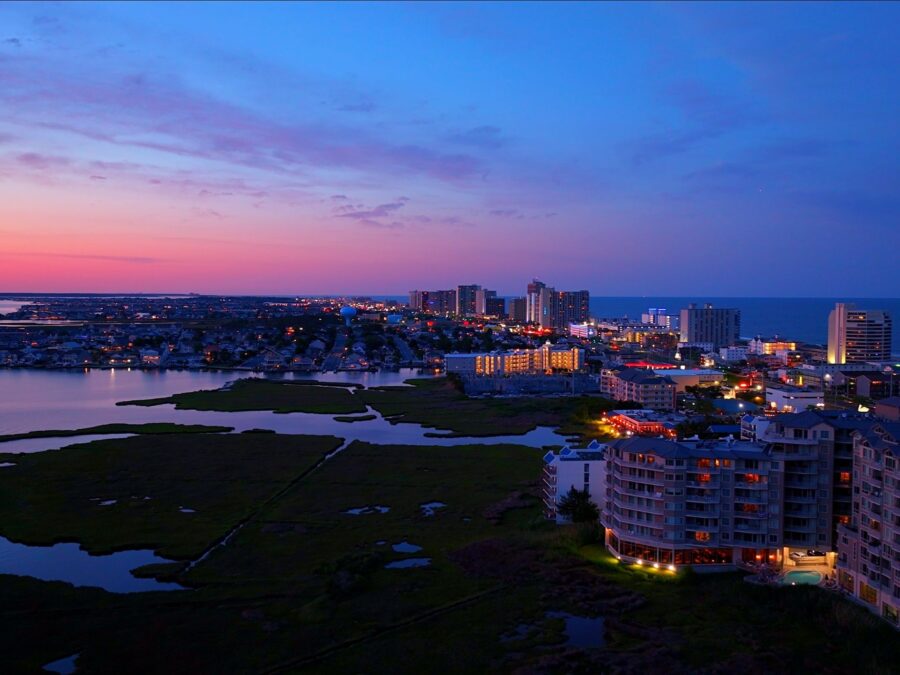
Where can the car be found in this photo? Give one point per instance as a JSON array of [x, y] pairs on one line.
[[797, 555], [815, 552]]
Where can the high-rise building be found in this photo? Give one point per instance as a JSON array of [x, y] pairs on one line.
[[858, 335], [495, 307], [418, 301], [518, 309], [659, 316], [869, 545], [550, 308], [571, 307], [487, 303], [465, 299], [442, 302], [718, 326], [538, 301]]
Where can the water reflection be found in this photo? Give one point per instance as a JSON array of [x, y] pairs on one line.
[[68, 562]]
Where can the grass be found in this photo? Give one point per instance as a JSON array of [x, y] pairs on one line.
[[259, 394], [49, 497], [149, 428], [355, 418], [302, 587], [432, 402]]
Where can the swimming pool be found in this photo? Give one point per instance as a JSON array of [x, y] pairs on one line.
[[806, 577]]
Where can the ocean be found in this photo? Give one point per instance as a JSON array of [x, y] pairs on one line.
[[800, 319]]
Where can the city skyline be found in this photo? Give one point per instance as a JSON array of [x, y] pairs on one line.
[[630, 149]]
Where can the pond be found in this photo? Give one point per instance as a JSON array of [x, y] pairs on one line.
[[581, 631], [68, 562], [32, 399], [408, 563]]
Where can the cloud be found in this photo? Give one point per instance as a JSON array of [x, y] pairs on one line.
[[363, 107], [14, 41], [706, 113], [486, 137], [380, 211], [159, 113], [132, 259], [34, 160], [504, 213]]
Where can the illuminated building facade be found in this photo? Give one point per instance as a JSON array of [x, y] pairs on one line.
[[698, 503], [545, 359], [858, 335], [580, 469], [869, 546], [716, 326], [656, 392], [465, 299], [764, 347]]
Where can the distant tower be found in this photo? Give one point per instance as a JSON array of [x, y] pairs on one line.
[[348, 313]]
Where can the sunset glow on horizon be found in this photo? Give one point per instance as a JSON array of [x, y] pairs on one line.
[[365, 148]]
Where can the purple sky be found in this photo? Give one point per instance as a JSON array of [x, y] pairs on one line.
[[664, 149]]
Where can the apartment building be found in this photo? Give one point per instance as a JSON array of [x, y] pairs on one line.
[[715, 326], [546, 358], [699, 503], [656, 392], [869, 545], [579, 469], [815, 451], [858, 335], [465, 299]]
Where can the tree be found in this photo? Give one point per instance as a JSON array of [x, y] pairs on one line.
[[577, 506]]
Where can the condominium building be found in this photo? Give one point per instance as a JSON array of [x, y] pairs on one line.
[[656, 392], [465, 299], [869, 546], [815, 449], [582, 330], [715, 326], [580, 469], [517, 309], [571, 307], [538, 299], [659, 316], [770, 346], [550, 308], [547, 358], [436, 302], [704, 503], [789, 398], [858, 335], [488, 304]]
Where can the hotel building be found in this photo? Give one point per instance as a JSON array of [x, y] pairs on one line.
[[465, 299], [544, 359], [579, 469], [656, 392], [549, 308], [715, 326], [869, 546], [702, 503], [858, 335]]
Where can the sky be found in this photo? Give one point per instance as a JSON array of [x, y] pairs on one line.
[[631, 149]]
